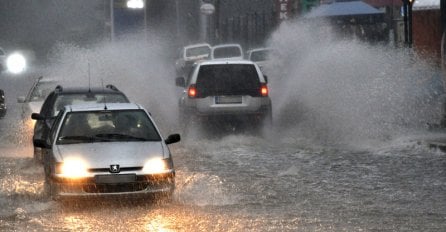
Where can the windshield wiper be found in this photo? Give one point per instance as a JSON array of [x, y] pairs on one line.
[[116, 136]]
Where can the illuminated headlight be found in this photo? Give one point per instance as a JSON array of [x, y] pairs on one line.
[[156, 165], [16, 63], [72, 168]]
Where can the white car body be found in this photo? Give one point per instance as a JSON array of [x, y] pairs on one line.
[[115, 167], [32, 102], [227, 51], [260, 56], [191, 54]]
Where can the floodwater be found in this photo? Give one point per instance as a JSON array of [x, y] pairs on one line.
[[347, 153]]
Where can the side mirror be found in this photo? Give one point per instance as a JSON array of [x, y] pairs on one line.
[[37, 116], [173, 138], [41, 143], [21, 99], [180, 82], [266, 78]]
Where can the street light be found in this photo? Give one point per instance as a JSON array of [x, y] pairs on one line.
[[135, 4]]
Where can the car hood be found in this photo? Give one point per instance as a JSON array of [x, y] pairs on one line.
[[100, 155]]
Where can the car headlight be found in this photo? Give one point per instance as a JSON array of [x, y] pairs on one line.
[[72, 168], [156, 165]]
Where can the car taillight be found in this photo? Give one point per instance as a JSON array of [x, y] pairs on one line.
[[192, 91], [264, 90]]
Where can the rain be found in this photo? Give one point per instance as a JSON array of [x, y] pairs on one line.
[[350, 148]]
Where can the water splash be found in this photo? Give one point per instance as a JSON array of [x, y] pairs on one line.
[[335, 91]]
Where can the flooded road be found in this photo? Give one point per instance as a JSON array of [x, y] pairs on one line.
[[247, 183]]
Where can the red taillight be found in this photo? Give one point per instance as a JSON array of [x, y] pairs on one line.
[[192, 91], [264, 90]]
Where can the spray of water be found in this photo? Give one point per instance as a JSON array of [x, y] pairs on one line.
[[338, 91], [137, 64]]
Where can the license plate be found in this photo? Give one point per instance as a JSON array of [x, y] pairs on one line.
[[228, 99], [115, 179]]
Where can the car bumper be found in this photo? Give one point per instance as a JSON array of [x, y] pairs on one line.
[[90, 187]]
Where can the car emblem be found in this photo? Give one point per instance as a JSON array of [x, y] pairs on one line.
[[114, 168]]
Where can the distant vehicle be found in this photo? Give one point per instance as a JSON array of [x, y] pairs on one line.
[[2, 59], [225, 91], [2, 104], [109, 149], [33, 101], [59, 98], [227, 51], [260, 56], [191, 54]]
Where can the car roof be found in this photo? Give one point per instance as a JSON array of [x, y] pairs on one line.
[[76, 90], [259, 49], [102, 106], [226, 45], [223, 61], [197, 45]]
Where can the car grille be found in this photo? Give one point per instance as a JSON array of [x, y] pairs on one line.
[[123, 169], [116, 188], [126, 187]]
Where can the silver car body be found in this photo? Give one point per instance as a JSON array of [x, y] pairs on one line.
[[32, 102], [100, 158], [224, 104]]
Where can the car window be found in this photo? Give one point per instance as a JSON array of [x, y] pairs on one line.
[[227, 79], [198, 51], [41, 91], [107, 126], [226, 52], [259, 55], [54, 128], [73, 99]]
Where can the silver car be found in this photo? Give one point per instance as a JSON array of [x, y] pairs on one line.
[[225, 92], [107, 150]]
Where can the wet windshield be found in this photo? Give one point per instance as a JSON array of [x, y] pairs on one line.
[[111, 126], [226, 52], [198, 51]]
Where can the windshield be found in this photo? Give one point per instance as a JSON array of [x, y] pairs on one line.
[[198, 51], [107, 126], [83, 98], [227, 52]]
